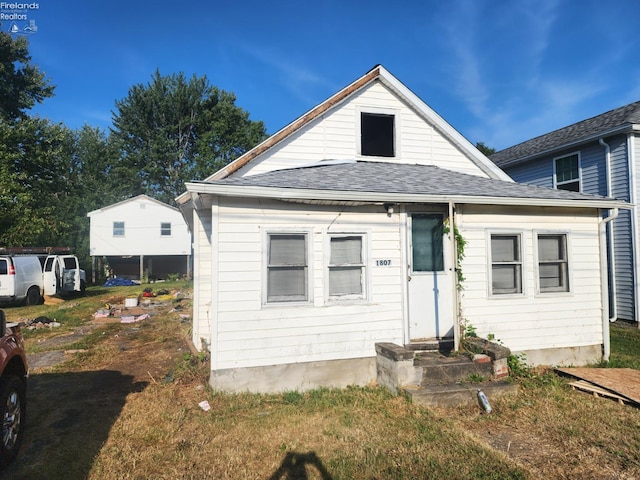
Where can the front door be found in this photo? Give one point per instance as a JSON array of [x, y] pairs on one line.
[[430, 284]]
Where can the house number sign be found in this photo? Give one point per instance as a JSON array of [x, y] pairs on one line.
[[383, 263]]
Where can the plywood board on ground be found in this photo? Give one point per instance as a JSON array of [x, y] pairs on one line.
[[624, 382]]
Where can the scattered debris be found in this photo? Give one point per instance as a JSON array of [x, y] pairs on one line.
[[119, 282], [42, 322], [204, 405]]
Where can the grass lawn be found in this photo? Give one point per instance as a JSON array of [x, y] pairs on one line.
[[139, 424]]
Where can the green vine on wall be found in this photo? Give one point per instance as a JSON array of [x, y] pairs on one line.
[[461, 243]]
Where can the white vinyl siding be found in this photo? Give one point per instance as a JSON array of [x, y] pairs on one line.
[[335, 135], [530, 321], [130, 227], [251, 333]]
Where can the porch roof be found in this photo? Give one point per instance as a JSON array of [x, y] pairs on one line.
[[367, 182]]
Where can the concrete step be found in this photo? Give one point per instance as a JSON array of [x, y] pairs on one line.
[[444, 345], [441, 369], [456, 394]]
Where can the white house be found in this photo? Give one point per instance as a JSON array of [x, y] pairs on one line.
[[336, 233], [140, 237]]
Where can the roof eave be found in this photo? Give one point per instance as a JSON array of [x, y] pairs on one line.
[[628, 128], [282, 193]]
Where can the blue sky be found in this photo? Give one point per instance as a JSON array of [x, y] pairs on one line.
[[499, 71]]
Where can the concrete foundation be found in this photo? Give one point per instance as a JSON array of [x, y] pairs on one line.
[[295, 376], [564, 357]]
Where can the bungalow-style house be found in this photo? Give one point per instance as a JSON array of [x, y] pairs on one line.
[[140, 238], [344, 229], [600, 156]]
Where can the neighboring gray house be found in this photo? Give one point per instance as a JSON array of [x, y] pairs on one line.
[[601, 156]]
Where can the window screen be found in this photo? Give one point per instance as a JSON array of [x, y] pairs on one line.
[[506, 264], [553, 266], [346, 267], [287, 268]]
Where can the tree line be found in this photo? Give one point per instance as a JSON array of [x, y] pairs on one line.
[[164, 133]]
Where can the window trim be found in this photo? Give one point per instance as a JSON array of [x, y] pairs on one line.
[[364, 270], [114, 229], [396, 129], [521, 240], [567, 261], [265, 263], [556, 183]]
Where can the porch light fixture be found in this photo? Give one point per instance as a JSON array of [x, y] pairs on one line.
[[389, 208]]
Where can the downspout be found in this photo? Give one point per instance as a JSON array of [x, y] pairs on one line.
[[603, 278], [454, 278], [613, 314]]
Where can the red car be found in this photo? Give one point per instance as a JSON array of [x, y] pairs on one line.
[[13, 389]]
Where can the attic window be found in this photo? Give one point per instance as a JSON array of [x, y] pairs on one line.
[[377, 135]]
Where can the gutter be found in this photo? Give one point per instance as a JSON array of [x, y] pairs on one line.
[[613, 314], [604, 281]]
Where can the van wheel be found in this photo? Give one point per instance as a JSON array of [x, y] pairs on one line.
[[83, 287], [12, 416], [33, 296]]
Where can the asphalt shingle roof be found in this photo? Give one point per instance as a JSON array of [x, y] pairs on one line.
[[584, 130], [386, 177]]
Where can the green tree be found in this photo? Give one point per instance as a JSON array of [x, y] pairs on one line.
[[92, 184], [22, 85], [34, 182], [174, 130], [487, 151]]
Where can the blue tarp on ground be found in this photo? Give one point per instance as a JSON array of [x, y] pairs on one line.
[[120, 282]]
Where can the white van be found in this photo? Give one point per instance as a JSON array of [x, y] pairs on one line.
[[62, 275], [21, 279]]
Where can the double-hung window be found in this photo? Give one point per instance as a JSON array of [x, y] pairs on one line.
[[567, 173], [346, 267], [165, 229], [287, 267], [553, 263], [506, 264], [118, 229]]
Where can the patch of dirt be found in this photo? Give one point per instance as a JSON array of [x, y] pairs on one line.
[[73, 409]]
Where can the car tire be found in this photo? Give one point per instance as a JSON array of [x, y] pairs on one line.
[[33, 296], [12, 417]]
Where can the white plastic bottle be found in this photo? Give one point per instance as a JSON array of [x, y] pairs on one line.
[[484, 401]]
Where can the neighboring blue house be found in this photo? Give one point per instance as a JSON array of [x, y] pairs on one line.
[[600, 155]]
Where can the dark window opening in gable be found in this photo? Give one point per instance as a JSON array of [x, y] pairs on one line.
[[377, 135]]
